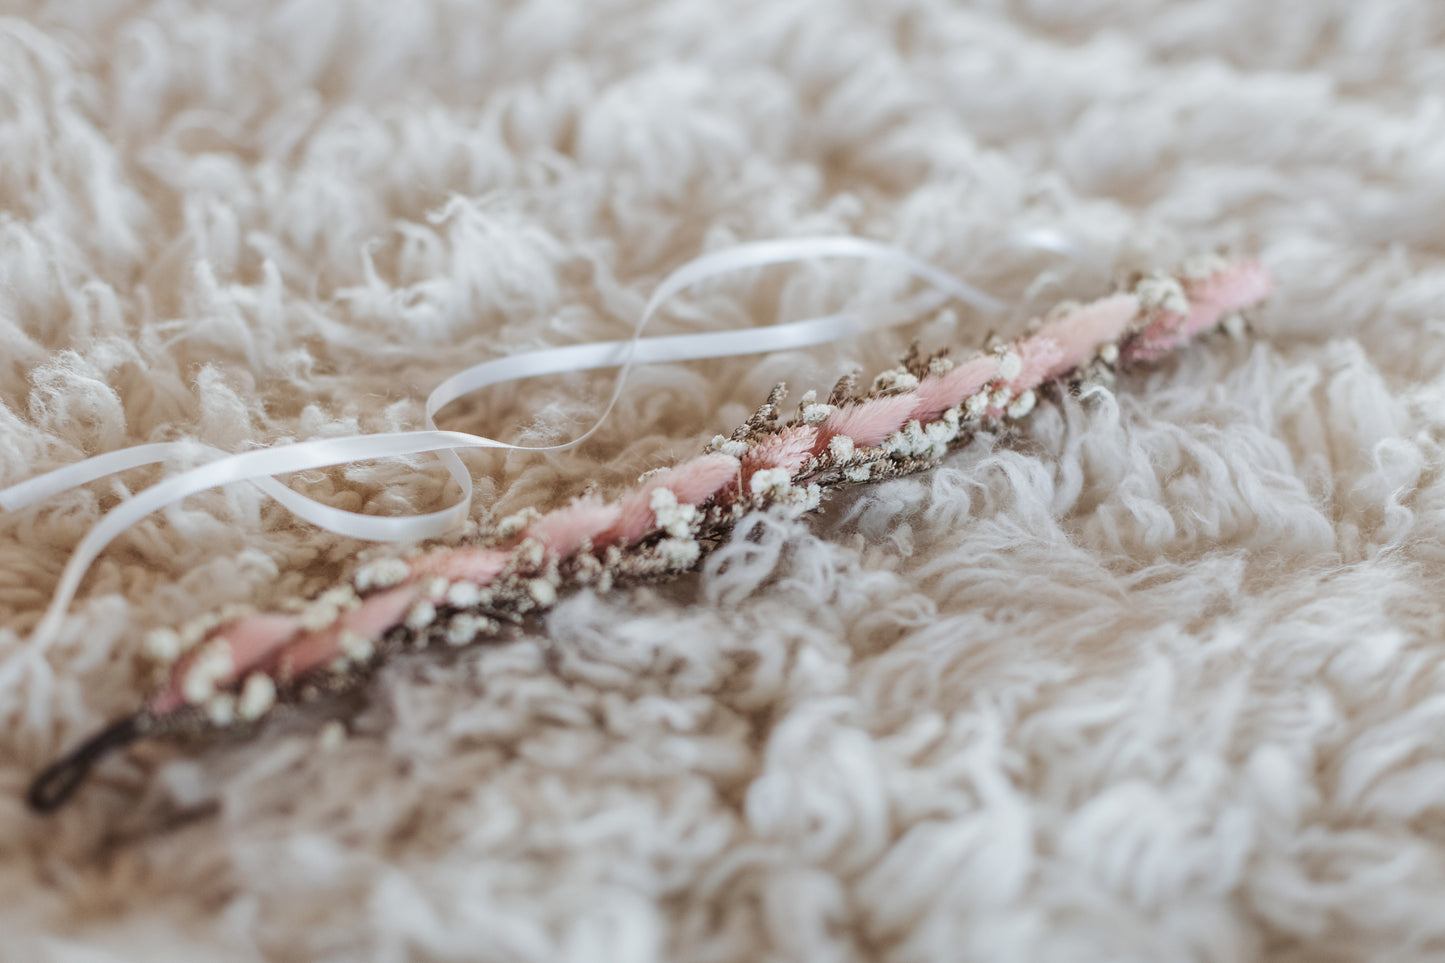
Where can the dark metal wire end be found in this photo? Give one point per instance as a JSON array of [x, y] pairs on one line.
[[59, 781]]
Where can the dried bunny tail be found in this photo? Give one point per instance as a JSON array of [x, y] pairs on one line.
[[1080, 332], [479, 565], [788, 450], [1177, 310], [1038, 358], [226, 656], [352, 637], [937, 393], [237, 667], [868, 422], [567, 529], [1231, 289], [690, 483]]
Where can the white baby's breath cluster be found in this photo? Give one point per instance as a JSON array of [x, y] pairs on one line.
[[1022, 405], [1010, 365], [817, 414], [1161, 292], [673, 517], [516, 523], [917, 440], [383, 573], [327, 607], [895, 379], [211, 664], [258, 695], [466, 627], [1202, 267], [165, 645], [722, 444]]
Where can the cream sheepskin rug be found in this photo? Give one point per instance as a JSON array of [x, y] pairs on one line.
[[1160, 678]]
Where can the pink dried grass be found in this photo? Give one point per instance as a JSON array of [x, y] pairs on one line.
[[376, 614], [1159, 337], [479, 565], [1079, 333], [1040, 357], [937, 393], [692, 482], [789, 450], [868, 422], [250, 640], [566, 529], [1237, 286]]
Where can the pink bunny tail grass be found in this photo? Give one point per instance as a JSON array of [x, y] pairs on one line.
[[248, 641], [692, 482], [789, 450], [479, 565], [1236, 286], [566, 529], [868, 422], [1081, 332], [935, 394], [696, 480], [1159, 337], [362, 625], [1239, 286], [1039, 358]]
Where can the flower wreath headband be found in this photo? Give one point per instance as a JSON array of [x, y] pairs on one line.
[[229, 669]]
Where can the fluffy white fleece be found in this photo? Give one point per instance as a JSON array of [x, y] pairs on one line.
[[1161, 679]]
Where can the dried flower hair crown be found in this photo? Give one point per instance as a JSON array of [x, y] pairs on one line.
[[232, 667]]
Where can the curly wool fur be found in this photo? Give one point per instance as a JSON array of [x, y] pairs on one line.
[[1161, 681]]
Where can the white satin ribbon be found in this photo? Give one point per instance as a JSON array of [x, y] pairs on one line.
[[258, 467]]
